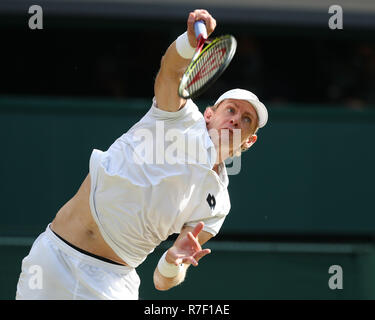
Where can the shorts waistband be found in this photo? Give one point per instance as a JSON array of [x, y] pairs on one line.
[[86, 252], [92, 259]]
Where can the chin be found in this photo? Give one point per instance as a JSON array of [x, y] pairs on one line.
[[226, 152]]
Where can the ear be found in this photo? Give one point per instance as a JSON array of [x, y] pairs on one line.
[[208, 113], [250, 141]]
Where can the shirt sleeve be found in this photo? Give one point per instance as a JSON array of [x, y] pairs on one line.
[[160, 114], [212, 205], [211, 225]]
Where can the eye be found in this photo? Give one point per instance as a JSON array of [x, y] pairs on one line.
[[230, 110], [247, 120]]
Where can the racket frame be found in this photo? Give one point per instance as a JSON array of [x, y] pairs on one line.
[[199, 52]]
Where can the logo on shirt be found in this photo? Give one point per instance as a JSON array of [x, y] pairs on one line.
[[211, 201]]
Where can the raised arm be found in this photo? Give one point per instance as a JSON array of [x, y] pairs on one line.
[[186, 250], [173, 65]]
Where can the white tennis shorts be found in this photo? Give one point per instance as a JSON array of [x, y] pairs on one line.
[[55, 270]]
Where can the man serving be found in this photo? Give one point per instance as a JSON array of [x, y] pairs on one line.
[[128, 204]]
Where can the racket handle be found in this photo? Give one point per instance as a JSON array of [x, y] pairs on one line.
[[200, 29]]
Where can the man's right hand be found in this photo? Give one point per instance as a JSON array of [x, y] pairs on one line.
[[173, 66], [195, 16]]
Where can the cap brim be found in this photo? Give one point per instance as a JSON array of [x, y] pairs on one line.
[[262, 112]]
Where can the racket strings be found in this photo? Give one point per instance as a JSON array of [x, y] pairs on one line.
[[207, 65]]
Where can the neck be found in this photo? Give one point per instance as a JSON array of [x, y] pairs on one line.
[[216, 168]]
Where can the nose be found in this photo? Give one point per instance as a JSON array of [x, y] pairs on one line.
[[234, 121]]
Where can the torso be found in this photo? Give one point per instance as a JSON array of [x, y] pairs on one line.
[[75, 224]]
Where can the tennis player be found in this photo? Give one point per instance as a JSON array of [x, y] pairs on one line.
[[127, 205]]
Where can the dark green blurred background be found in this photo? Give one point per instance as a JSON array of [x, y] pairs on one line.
[[304, 199], [301, 203]]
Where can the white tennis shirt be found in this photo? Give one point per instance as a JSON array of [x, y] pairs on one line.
[[155, 179]]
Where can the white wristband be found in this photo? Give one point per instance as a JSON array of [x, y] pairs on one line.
[[166, 269], [184, 49]]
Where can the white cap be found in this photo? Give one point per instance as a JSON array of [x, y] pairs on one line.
[[241, 94]]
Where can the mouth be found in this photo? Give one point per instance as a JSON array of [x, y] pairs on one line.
[[230, 129]]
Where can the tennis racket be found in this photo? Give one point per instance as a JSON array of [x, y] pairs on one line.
[[207, 64]]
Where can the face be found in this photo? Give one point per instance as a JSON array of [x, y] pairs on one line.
[[229, 115]]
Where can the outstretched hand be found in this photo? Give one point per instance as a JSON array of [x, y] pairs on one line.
[[187, 249]]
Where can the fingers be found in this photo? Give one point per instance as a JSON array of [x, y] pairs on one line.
[[200, 14], [190, 260], [196, 257], [200, 254], [194, 242], [198, 228], [188, 249], [192, 236], [187, 260]]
